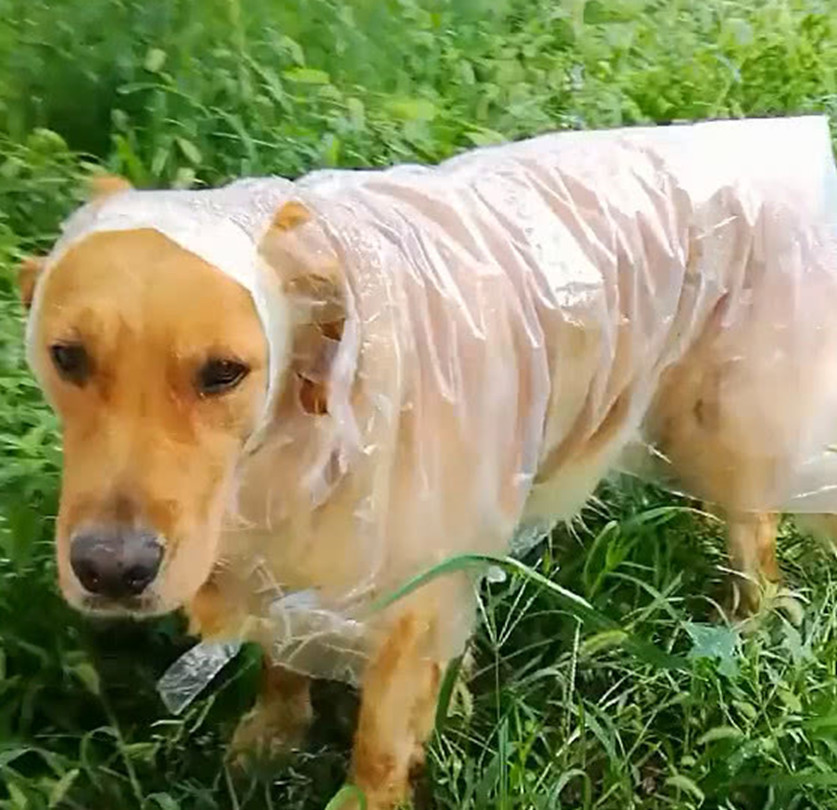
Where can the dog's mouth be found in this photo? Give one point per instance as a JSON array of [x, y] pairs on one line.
[[143, 606]]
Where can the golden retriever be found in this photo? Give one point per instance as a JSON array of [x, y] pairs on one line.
[[434, 386]]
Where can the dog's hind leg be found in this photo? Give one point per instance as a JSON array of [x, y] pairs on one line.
[[731, 446], [713, 466], [751, 542]]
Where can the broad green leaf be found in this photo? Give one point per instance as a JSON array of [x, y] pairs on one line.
[[87, 674], [189, 150], [716, 643], [719, 733], [414, 109], [154, 60], [685, 784], [305, 75]]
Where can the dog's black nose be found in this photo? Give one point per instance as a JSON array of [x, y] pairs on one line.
[[115, 563]]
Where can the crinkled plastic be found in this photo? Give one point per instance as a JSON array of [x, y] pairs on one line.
[[507, 319], [190, 674]]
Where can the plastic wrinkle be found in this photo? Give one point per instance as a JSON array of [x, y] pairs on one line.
[[516, 322]]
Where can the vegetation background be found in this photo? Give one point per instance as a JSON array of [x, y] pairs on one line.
[[559, 713]]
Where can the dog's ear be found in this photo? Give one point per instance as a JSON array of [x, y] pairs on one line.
[[296, 247], [290, 215], [102, 186], [27, 276]]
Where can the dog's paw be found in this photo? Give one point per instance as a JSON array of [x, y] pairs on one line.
[[748, 604], [740, 604]]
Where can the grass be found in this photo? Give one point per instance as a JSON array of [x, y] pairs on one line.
[[558, 712]]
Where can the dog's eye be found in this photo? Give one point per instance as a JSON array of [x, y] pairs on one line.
[[72, 362], [217, 376]]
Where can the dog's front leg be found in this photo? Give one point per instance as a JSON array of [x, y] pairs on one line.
[[752, 551], [280, 718], [398, 703], [282, 713]]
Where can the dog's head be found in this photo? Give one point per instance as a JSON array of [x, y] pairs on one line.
[[159, 368]]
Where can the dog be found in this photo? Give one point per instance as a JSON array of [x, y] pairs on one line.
[[323, 387]]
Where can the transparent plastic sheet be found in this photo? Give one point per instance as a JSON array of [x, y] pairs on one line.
[[507, 320], [294, 628], [190, 674]]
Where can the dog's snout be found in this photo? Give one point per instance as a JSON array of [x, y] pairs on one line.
[[115, 563]]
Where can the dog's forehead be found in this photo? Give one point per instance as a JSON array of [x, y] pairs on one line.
[[223, 227]]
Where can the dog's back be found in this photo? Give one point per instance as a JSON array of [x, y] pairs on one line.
[[580, 292]]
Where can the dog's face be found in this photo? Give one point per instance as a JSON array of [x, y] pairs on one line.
[[156, 363]]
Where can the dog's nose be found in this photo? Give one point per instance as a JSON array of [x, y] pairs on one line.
[[115, 563]]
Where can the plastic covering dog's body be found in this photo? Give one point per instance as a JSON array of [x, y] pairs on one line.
[[489, 338], [527, 314]]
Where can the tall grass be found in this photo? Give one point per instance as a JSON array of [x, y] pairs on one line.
[[558, 712]]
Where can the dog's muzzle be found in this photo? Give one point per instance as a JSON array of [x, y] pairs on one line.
[[115, 563]]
